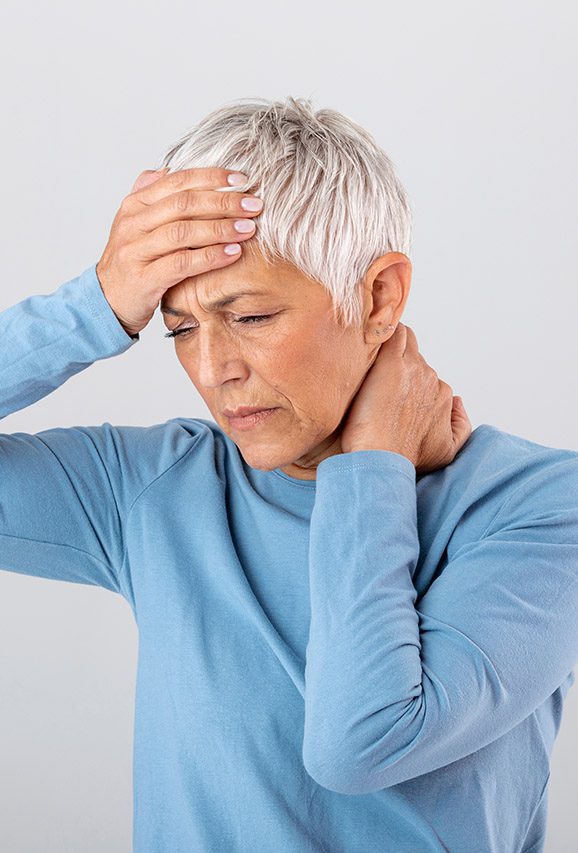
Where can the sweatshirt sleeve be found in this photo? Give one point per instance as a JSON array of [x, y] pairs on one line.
[[393, 691], [46, 339], [62, 498]]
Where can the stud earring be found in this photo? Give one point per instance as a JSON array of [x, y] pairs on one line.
[[383, 331]]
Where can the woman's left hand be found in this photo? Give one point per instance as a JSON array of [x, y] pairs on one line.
[[404, 407]]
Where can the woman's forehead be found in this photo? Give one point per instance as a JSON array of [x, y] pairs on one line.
[[250, 275]]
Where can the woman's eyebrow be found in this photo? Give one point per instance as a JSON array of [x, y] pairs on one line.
[[216, 304]]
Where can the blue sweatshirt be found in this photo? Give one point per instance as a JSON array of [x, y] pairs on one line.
[[370, 661]]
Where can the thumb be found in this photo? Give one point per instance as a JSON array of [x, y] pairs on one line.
[[149, 176], [461, 424]]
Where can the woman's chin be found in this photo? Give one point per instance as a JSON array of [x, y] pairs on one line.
[[267, 457], [262, 458]]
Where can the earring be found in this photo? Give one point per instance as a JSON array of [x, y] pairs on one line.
[[383, 331]]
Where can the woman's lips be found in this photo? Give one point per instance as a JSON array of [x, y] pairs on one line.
[[249, 421]]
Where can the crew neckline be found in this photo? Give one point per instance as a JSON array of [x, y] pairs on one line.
[[296, 481]]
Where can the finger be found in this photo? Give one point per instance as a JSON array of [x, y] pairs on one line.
[[183, 179], [177, 266], [411, 344], [398, 339], [147, 177], [460, 422], [459, 405], [193, 204], [187, 234]]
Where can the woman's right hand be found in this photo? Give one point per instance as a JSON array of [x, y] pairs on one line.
[[170, 227]]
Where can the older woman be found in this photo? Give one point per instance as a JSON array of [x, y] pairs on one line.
[[357, 617]]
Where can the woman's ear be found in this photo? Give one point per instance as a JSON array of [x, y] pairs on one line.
[[386, 285]]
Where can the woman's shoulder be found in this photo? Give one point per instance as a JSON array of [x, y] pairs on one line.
[[132, 457], [496, 475], [162, 444], [496, 453], [527, 472]]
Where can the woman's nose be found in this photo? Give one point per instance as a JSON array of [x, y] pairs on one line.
[[219, 359]]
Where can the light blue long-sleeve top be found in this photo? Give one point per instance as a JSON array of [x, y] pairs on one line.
[[368, 661]]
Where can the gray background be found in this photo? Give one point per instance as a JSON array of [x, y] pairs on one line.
[[475, 104]]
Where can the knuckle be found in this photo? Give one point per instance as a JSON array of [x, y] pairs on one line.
[[211, 254], [181, 261], [176, 179], [140, 179], [223, 230], [123, 254], [123, 227], [422, 367], [126, 206], [430, 379], [182, 201], [225, 203], [178, 231]]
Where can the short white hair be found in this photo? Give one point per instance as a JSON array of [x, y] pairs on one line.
[[332, 200]]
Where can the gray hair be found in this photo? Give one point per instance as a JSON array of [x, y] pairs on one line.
[[333, 203]]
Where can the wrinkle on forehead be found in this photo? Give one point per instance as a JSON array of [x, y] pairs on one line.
[[249, 274], [220, 300]]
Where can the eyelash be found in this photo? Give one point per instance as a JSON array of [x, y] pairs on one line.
[[253, 317]]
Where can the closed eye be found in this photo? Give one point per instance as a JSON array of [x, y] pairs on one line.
[[255, 318]]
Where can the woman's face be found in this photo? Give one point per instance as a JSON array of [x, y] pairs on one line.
[[298, 359]]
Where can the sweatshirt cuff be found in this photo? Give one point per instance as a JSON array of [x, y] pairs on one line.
[[378, 460], [89, 290]]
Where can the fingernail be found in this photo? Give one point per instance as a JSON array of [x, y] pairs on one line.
[[232, 248], [253, 203], [244, 225], [235, 179]]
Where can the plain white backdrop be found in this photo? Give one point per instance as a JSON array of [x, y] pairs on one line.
[[474, 102]]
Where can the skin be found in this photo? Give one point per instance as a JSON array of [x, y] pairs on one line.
[[301, 359], [338, 389]]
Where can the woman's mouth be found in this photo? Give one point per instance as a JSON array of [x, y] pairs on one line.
[[249, 421]]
